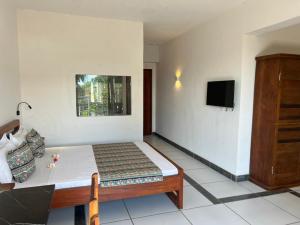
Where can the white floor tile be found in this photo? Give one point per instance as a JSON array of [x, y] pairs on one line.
[[161, 145], [253, 188], [213, 215], [258, 211], [193, 198], [149, 205], [163, 149], [189, 163], [155, 142], [152, 138], [207, 175], [185, 183], [124, 222], [286, 201], [297, 189], [113, 211], [225, 189], [173, 218], [171, 152], [64, 216], [174, 155]]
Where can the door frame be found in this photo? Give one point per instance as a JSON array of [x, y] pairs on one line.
[[153, 66], [151, 103]]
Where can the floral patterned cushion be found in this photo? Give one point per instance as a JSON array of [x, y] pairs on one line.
[[21, 162], [36, 143]]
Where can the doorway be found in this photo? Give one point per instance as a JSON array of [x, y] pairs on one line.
[[147, 101]]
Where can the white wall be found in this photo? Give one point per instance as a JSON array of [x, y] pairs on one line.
[[151, 53], [206, 54], [53, 48], [216, 50], [261, 15], [151, 58], [9, 69]]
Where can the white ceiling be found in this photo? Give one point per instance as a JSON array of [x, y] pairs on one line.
[[163, 19]]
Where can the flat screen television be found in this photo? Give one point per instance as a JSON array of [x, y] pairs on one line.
[[220, 93]]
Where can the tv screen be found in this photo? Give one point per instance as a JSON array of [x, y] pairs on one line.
[[220, 93]]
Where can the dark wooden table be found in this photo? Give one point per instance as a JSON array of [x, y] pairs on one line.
[[26, 205]]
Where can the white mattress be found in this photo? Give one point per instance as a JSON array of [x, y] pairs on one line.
[[166, 167], [77, 164], [74, 168]]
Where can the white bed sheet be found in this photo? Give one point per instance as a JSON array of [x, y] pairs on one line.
[[166, 167], [74, 168], [77, 164]]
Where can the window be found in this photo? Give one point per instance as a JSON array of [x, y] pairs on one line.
[[100, 95]]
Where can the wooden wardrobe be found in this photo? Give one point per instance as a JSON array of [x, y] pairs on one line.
[[275, 151]]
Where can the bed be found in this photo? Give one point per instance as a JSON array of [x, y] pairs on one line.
[[71, 176]]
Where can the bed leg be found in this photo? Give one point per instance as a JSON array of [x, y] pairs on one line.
[[180, 199], [180, 191], [177, 196]]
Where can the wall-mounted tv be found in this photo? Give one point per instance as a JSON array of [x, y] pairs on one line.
[[220, 93]]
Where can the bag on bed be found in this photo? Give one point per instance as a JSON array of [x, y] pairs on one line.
[[21, 162], [36, 143]]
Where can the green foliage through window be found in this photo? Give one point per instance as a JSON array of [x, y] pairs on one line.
[[100, 95]]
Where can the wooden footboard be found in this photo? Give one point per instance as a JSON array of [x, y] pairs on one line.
[[172, 185]]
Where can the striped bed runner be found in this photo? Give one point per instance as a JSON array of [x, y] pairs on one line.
[[124, 164]]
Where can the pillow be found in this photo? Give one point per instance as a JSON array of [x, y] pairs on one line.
[[19, 137], [21, 162], [5, 173], [36, 143], [14, 140], [4, 140]]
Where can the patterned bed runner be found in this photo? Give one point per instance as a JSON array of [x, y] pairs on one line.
[[124, 164]]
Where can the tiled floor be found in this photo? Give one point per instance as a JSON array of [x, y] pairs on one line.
[[204, 176], [174, 218], [225, 189], [156, 204], [62, 217], [261, 211], [213, 215], [193, 198], [279, 209], [286, 201], [251, 187], [297, 189], [189, 163], [113, 211]]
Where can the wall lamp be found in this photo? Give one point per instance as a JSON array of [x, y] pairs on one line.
[[178, 83], [18, 107]]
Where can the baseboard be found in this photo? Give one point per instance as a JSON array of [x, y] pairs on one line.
[[206, 162]]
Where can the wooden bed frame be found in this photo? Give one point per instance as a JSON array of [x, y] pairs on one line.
[[172, 185]]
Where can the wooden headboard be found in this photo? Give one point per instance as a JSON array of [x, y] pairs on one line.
[[12, 127]]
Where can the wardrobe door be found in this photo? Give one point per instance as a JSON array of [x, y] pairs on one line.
[[264, 121], [287, 154], [290, 87], [287, 163]]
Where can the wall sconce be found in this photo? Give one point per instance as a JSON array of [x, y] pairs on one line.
[[178, 83], [18, 107]]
